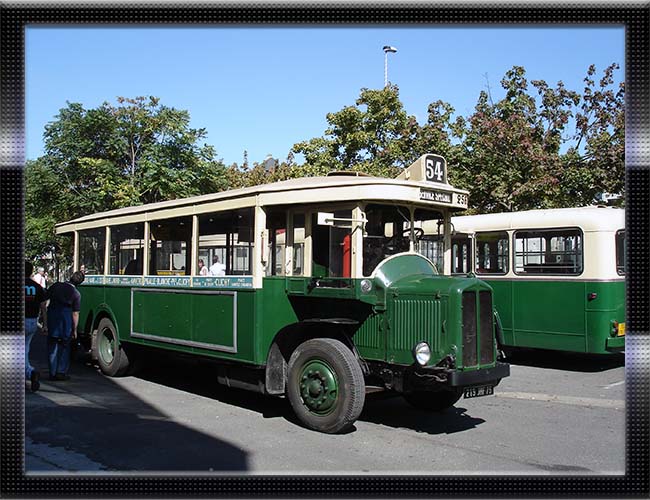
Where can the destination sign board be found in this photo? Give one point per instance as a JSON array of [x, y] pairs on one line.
[[434, 195]]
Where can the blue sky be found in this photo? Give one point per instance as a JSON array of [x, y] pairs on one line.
[[262, 89]]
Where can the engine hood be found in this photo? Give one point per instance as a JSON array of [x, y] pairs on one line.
[[414, 274]]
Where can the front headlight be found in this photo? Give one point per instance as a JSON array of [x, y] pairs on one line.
[[422, 353]]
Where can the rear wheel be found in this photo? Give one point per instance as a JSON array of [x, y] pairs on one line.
[[110, 355], [326, 387], [433, 401]]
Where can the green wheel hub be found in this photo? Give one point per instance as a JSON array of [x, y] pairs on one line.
[[319, 387], [106, 342]]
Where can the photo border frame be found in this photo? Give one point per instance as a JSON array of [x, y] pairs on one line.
[[15, 16]]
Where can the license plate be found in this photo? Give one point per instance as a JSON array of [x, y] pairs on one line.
[[621, 330], [481, 390]]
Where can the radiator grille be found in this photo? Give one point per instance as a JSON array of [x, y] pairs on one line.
[[415, 320], [469, 329], [486, 338], [370, 334]]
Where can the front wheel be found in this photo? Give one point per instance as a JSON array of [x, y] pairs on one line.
[[110, 355], [326, 387], [433, 401]]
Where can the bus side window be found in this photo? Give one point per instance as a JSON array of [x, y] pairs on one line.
[[92, 243], [170, 247], [492, 253], [127, 245], [226, 242], [549, 251]]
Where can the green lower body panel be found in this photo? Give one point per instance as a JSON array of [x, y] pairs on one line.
[[569, 314], [199, 319]]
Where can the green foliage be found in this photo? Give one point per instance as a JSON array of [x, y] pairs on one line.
[[539, 146], [115, 156], [369, 137]]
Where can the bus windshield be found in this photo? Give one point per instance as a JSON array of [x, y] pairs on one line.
[[391, 229]]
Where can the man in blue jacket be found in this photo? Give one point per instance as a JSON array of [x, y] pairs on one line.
[[62, 320]]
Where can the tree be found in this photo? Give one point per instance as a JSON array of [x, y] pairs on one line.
[[519, 153], [516, 154], [595, 162], [115, 156], [511, 149], [370, 137]]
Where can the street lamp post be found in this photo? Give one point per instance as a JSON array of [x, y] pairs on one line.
[[387, 49]]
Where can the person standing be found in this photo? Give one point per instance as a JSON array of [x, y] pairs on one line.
[[35, 300], [39, 277], [62, 321]]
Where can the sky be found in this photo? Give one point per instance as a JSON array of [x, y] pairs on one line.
[[263, 89]]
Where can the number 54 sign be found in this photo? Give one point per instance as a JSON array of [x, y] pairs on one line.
[[435, 169]]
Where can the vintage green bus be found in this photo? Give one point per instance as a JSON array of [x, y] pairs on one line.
[[558, 275], [313, 290]]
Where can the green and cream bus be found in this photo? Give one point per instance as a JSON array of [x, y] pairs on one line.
[[321, 294], [558, 275]]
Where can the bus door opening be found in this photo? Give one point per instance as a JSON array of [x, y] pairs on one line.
[[332, 247]]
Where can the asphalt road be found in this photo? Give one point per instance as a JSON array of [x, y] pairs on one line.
[[556, 414]]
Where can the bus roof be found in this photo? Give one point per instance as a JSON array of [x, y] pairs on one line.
[[333, 188], [593, 218]]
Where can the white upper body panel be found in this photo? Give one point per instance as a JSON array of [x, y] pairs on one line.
[[599, 226]]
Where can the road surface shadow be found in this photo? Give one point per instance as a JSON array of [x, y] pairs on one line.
[[200, 378], [567, 361], [381, 408], [392, 410], [92, 415]]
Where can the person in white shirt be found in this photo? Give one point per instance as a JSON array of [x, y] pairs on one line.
[[39, 277], [217, 268]]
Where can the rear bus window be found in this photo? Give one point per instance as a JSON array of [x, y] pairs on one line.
[[620, 252], [552, 251], [492, 253]]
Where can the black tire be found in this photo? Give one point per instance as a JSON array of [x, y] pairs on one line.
[[110, 355], [433, 401], [336, 382]]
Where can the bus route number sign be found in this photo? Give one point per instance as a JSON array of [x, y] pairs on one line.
[[435, 169]]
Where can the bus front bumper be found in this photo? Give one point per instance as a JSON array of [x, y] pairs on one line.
[[482, 376], [615, 344]]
